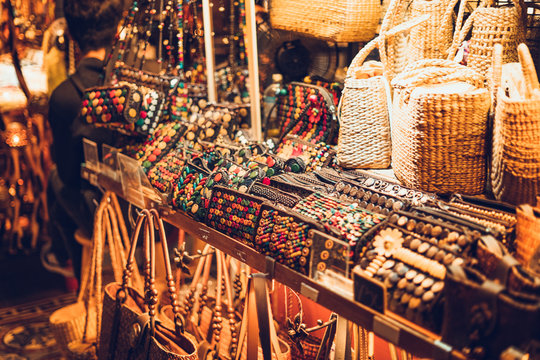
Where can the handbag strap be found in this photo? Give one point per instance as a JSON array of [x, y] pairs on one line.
[[259, 284], [258, 306], [378, 42], [529, 72]]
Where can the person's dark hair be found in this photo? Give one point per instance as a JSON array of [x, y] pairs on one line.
[[93, 23]]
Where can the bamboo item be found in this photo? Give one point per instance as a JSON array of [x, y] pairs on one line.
[[339, 20], [490, 25], [439, 127], [364, 109], [515, 176]]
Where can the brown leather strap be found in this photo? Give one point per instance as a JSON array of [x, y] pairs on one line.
[[259, 283], [252, 337]]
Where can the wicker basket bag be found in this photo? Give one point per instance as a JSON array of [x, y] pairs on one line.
[[339, 20], [515, 171], [432, 39], [439, 127], [490, 25], [364, 111]]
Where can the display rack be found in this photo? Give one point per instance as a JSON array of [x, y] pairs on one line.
[[406, 336]]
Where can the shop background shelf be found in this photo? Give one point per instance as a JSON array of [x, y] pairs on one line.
[[409, 337]]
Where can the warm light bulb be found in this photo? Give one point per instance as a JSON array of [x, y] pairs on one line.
[[15, 140]]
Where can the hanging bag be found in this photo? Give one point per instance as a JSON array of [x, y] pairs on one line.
[[340, 20], [439, 127], [130, 329], [77, 323], [364, 111], [515, 167]]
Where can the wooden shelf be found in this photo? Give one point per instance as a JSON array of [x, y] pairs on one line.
[[415, 340]]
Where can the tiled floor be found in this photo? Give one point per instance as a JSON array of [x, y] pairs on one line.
[[28, 295]]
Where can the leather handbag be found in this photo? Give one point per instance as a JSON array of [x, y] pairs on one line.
[[484, 318], [258, 326], [130, 329]]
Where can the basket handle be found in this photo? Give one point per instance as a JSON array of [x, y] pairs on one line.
[[376, 43], [436, 71], [529, 71], [496, 74], [394, 14]]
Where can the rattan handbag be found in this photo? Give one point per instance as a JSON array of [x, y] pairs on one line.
[[515, 176], [76, 323], [490, 25], [364, 112], [439, 127], [340, 20]]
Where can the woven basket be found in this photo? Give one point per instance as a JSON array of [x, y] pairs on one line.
[[439, 133], [515, 176], [527, 233], [490, 25], [433, 38], [339, 20], [364, 133]]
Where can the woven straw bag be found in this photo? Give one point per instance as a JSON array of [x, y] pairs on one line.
[[515, 171], [490, 25], [364, 112], [433, 38], [79, 321], [439, 127], [527, 233], [339, 20]]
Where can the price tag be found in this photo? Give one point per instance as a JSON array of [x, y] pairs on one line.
[[91, 158], [130, 177], [328, 254]]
